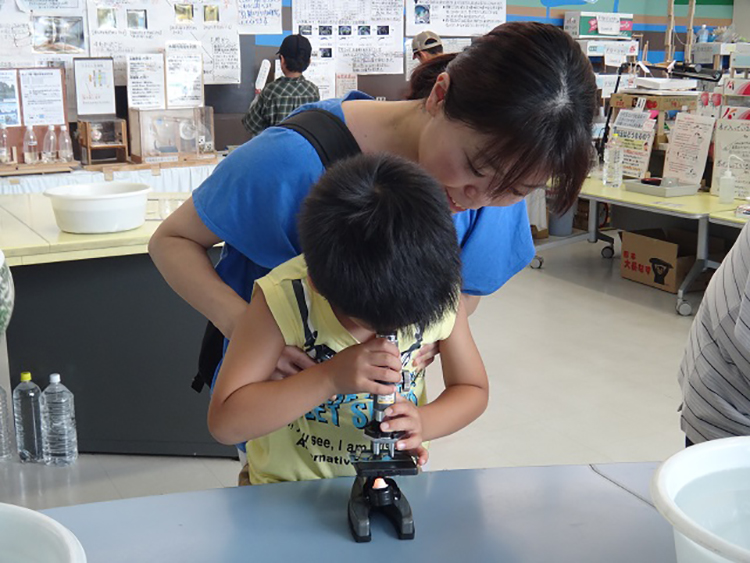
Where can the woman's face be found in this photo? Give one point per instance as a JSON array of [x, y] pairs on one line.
[[448, 150]]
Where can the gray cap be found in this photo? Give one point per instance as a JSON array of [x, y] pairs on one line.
[[425, 40]]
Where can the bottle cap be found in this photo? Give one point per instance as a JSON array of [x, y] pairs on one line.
[[25, 376], [51, 127], [54, 378], [727, 173]]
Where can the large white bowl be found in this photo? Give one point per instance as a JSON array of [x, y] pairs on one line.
[[105, 207], [31, 537], [700, 534]]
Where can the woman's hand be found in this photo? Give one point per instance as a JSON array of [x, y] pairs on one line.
[[292, 360], [403, 416], [426, 355]]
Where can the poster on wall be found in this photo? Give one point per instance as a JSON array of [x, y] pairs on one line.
[[48, 5], [259, 16], [58, 35], [95, 86], [456, 18], [358, 37], [118, 28], [146, 88], [184, 70], [10, 105], [42, 96]]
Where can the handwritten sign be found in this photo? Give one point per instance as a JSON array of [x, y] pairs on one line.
[[146, 88], [688, 148], [345, 83], [184, 64], [455, 18], [95, 86], [732, 138], [608, 24], [259, 16], [42, 96], [636, 133]]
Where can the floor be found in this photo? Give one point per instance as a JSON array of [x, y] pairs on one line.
[[583, 369]]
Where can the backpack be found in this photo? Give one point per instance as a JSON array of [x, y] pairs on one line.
[[333, 141]]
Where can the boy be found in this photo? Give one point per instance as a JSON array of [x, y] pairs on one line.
[[380, 255]]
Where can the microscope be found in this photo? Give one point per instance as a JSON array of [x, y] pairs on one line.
[[373, 488]]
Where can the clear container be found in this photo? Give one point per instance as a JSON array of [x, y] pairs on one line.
[[613, 160], [59, 423], [65, 145], [49, 147], [5, 441], [27, 411], [30, 146], [4, 147]]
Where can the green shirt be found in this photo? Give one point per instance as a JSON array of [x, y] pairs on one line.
[[277, 100]]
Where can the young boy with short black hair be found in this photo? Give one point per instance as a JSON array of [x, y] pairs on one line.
[[380, 255]]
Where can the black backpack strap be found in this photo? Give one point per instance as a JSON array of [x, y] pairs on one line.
[[299, 294], [329, 135]]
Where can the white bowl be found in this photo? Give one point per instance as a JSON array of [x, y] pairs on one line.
[[31, 537], [105, 207], [704, 492]]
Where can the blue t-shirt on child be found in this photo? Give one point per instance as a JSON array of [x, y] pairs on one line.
[[252, 199]]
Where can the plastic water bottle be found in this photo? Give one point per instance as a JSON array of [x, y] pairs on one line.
[[27, 410], [4, 148], [30, 146], [613, 159], [65, 146], [49, 147], [59, 423], [5, 444], [703, 34]]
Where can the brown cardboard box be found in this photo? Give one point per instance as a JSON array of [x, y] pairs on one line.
[[662, 258]]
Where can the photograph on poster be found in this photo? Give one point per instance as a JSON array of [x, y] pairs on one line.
[[183, 12], [137, 19], [211, 13], [421, 14], [305, 30], [326, 52], [345, 30], [9, 112], [363, 29], [106, 18], [325, 30], [58, 34], [384, 30]]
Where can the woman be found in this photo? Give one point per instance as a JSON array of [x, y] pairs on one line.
[[510, 113]]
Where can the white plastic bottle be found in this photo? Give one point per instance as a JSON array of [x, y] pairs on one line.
[[726, 187], [27, 411], [49, 147], [30, 146], [613, 159], [59, 423], [4, 147], [5, 442], [65, 145]]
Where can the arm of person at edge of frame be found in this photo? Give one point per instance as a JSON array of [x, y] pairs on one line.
[[247, 402], [179, 249], [427, 353], [464, 399]]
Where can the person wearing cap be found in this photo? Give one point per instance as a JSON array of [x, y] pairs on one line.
[[285, 94], [426, 45]]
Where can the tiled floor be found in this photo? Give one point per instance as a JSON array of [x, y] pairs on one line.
[[583, 367]]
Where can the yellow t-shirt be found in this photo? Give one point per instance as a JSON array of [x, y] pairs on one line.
[[318, 444]]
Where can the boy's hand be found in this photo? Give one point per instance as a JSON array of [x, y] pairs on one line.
[[404, 417], [291, 361], [365, 368]]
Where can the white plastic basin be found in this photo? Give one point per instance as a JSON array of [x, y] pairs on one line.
[[105, 207], [704, 492], [31, 537]]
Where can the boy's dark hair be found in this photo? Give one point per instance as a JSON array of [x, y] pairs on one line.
[[531, 89], [380, 244], [296, 50]]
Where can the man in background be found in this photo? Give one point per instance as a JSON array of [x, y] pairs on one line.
[[285, 94], [426, 45]]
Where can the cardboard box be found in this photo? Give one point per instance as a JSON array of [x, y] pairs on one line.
[[662, 258], [582, 25]]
